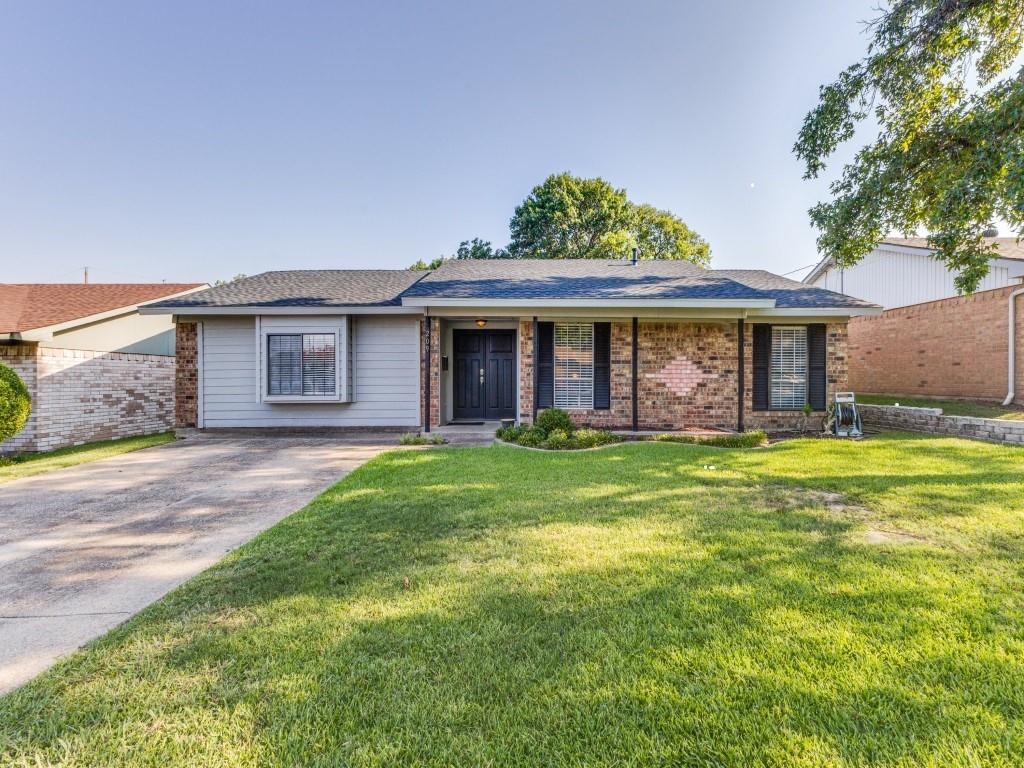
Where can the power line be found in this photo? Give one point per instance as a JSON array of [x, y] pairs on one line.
[[799, 269]]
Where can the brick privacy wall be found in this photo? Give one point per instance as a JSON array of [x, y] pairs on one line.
[[932, 421], [434, 370], [186, 375], [836, 377], [22, 359], [949, 348], [83, 396]]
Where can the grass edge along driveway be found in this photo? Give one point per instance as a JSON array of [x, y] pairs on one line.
[[815, 603], [28, 464]]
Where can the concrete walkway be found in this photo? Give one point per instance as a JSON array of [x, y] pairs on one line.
[[84, 548]]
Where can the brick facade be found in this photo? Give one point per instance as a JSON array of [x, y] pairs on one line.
[[687, 376], [836, 376], [433, 370], [81, 396], [186, 375], [949, 348]]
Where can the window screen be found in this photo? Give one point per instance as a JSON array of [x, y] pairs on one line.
[[574, 365], [789, 367], [301, 364]]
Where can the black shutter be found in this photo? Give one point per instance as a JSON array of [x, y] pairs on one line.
[[602, 366], [545, 381], [762, 365], [816, 353]]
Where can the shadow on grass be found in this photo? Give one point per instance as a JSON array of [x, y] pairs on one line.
[[622, 608]]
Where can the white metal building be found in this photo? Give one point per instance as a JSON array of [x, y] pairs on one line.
[[902, 271]]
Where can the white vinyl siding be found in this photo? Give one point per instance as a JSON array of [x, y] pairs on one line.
[[383, 357], [574, 365], [789, 367]]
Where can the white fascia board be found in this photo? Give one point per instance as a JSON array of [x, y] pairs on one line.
[[211, 311], [820, 268], [486, 306], [818, 312]]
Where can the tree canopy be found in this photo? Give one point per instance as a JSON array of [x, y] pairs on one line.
[[568, 217], [938, 79]]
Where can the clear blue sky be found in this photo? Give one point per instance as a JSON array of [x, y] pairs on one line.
[[195, 140]]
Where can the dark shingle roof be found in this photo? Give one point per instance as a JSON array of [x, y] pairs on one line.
[[510, 279], [306, 288], [577, 279], [791, 294]]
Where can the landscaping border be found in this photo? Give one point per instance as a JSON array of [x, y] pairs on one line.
[[932, 421]]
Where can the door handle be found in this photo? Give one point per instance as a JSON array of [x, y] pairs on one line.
[[481, 375]]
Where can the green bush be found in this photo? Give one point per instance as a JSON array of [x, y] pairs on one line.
[[15, 403], [590, 438], [551, 419], [416, 438], [509, 434], [727, 440], [532, 437], [558, 440]]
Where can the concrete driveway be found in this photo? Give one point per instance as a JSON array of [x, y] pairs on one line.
[[84, 548]]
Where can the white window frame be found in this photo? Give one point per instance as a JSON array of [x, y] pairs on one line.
[[268, 328], [775, 400], [576, 403]]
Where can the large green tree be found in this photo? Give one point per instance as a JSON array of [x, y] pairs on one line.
[[941, 82], [568, 217]]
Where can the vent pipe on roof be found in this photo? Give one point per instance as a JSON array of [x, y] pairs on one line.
[[636, 256]]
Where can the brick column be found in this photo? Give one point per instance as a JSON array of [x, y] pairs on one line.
[[431, 370], [526, 371], [186, 375]]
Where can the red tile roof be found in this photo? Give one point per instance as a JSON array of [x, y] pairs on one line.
[[26, 306]]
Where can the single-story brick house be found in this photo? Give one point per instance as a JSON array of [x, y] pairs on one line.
[[663, 345], [95, 368]]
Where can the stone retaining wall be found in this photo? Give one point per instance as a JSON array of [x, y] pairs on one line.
[[932, 421]]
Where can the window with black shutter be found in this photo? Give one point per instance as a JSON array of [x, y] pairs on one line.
[[817, 346], [602, 366], [545, 381], [762, 355]]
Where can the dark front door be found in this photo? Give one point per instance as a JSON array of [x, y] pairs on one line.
[[484, 384]]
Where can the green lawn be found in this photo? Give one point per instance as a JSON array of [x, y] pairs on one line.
[[814, 603], [949, 407], [34, 463]]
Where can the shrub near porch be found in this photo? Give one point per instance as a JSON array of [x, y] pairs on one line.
[[800, 605]]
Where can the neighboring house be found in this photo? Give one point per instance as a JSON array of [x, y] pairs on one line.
[[654, 345], [931, 341], [903, 271], [95, 367]]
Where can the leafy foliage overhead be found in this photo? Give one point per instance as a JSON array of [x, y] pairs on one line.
[[568, 217], [949, 155]]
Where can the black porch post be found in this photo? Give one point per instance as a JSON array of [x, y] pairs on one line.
[[740, 373], [536, 365], [636, 408]]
